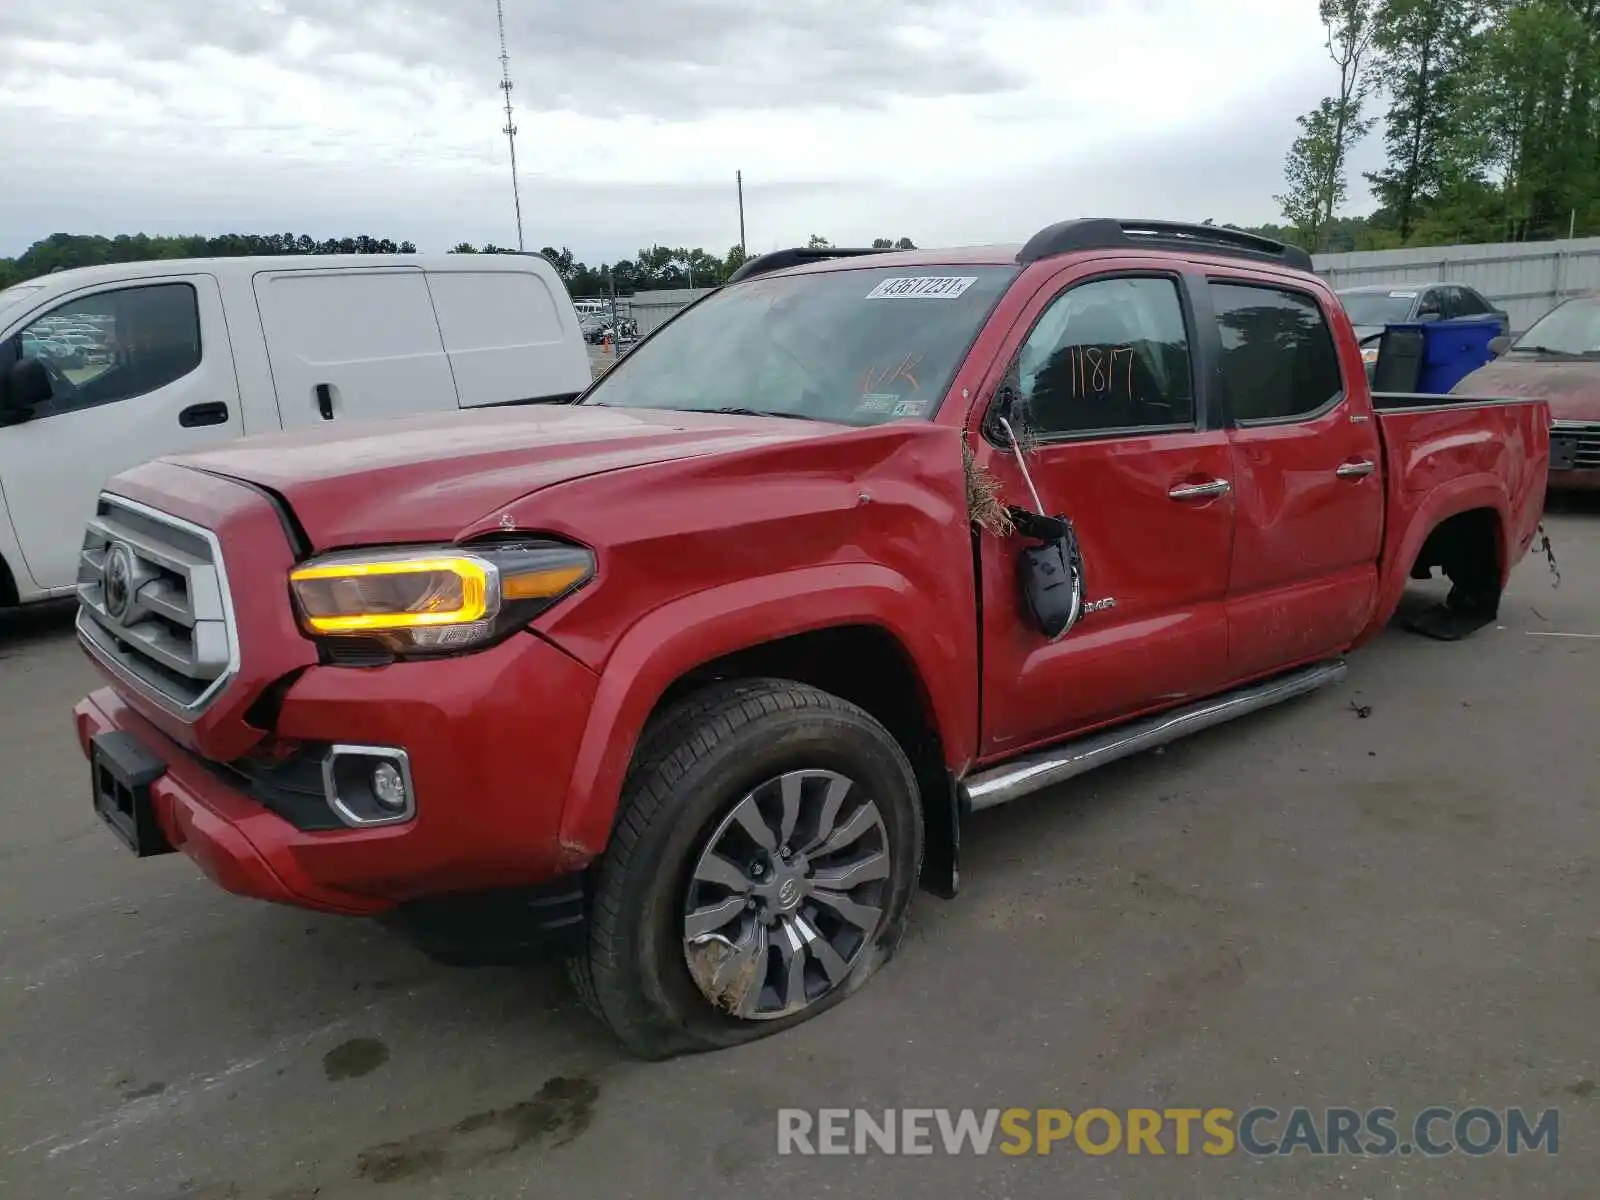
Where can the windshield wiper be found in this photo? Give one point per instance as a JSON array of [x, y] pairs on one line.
[[734, 411], [1553, 350]]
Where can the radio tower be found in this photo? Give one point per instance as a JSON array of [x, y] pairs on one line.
[[511, 126]]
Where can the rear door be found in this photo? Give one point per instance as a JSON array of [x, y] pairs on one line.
[[511, 336], [1306, 471], [167, 385], [1123, 444], [353, 343]]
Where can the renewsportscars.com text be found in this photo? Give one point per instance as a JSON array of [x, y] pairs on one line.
[[1258, 1132]]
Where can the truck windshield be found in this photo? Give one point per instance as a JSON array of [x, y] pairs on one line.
[[1569, 328], [1378, 308], [858, 346]]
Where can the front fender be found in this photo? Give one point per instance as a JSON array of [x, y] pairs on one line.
[[696, 629], [1418, 515]]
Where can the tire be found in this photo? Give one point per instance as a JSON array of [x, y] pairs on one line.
[[721, 749]]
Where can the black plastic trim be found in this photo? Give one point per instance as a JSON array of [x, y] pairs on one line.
[[291, 788], [497, 928], [552, 398]]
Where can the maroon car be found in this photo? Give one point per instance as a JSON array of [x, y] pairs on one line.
[[1556, 360]]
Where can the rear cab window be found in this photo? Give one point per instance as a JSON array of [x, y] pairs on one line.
[[856, 346], [1279, 360]]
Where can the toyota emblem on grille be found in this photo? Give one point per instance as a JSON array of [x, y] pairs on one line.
[[118, 579]]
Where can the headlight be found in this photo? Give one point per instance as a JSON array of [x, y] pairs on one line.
[[428, 599]]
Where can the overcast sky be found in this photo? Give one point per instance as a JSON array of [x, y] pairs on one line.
[[850, 118]]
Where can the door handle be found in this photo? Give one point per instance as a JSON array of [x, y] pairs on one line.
[[1355, 470], [213, 412], [1199, 491], [325, 401]]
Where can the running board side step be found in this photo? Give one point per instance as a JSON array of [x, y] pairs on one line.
[[1068, 760]]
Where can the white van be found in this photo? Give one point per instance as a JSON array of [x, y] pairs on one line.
[[102, 368]]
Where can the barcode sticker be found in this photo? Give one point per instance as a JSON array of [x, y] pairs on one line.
[[926, 287]]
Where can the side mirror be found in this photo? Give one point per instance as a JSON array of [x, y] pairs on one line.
[[1499, 345], [24, 386], [1004, 408], [1430, 314]]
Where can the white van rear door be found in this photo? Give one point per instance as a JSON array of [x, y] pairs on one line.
[[352, 343], [511, 335]]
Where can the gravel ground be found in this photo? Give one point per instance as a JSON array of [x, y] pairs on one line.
[[1311, 907]]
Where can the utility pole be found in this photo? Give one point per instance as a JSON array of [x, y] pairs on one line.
[[510, 129], [739, 179]]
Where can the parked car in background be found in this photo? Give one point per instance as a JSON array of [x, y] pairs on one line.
[[1558, 361], [1372, 307], [210, 350], [702, 674]]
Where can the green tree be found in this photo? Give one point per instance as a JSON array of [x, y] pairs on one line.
[[1428, 51], [818, 242], [1314, 170]]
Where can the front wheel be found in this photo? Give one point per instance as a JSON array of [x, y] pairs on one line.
[[761, 869]]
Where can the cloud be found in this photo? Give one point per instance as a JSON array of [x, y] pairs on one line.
[[853, 118]]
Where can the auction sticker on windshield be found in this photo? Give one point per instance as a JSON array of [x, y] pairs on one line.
[[926, 287]]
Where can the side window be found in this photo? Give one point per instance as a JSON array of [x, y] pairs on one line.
[[1469, 303], [1106, 355], [1432, 301], [115, 345], [1278, 356]]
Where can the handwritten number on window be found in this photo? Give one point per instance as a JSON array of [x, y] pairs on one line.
[[1099, 369]]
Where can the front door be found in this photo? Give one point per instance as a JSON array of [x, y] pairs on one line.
[[1122, 444], [1307, 477], [152, 375]]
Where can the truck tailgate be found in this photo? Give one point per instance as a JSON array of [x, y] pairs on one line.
[[1477, 446]]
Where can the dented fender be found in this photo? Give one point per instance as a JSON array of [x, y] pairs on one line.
[[677, 638]]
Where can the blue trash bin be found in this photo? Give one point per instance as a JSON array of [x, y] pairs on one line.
[[1451, 350]]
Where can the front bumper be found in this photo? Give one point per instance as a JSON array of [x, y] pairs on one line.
[[491, 739], [1575, 456], [1583, 480]]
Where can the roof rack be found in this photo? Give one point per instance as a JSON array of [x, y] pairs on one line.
[[777, 260], [1107, 233]]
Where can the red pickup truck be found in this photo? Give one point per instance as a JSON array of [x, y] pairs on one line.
[[699, 675]]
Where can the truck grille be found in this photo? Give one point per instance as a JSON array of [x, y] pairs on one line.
[[153, 604], [1574, 445]]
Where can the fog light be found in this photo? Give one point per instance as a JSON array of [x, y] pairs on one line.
[[369, 785], [388, 788]]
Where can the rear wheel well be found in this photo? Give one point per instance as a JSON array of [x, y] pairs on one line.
[[1468, 548], [869, 667]]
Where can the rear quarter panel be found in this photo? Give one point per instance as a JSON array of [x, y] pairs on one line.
[[1448, 458]]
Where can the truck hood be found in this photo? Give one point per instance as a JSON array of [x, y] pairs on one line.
[[1570, 386], [426, 478]]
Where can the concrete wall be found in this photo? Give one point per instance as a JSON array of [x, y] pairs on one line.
[[1527, 279]]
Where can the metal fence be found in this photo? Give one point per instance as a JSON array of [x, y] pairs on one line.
[[651, 310], [1526, 279]]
